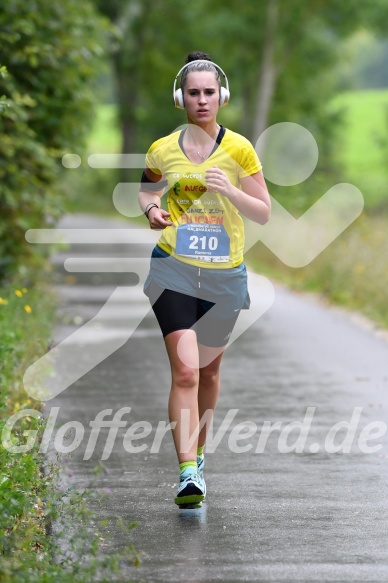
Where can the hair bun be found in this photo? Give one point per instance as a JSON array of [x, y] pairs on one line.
[[198, 56]]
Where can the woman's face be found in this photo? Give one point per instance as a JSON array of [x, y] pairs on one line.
[[201, 96]]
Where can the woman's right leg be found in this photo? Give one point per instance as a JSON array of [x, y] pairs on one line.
[[183, 401]]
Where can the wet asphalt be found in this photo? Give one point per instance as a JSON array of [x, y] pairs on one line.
[[315, 514]]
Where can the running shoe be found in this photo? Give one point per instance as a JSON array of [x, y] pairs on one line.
[[200, 466], [189, 491]]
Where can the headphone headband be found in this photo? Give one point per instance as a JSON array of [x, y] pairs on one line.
[[178, 96]]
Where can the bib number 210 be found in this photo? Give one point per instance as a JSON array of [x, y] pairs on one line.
[[203, 243], [207, 242]]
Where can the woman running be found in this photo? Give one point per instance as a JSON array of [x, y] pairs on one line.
[[197, 282]]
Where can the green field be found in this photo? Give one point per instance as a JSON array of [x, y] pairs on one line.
[[105, 135], [363, 148]]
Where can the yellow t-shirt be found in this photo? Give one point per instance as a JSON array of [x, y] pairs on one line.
[[208, 230]]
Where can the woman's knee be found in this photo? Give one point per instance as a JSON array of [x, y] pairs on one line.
[[185, 377], [210, 374]]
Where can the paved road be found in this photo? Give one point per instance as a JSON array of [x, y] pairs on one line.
[[313, 515]]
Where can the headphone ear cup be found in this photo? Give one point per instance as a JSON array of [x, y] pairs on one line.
[[178, 99], [224, 97]]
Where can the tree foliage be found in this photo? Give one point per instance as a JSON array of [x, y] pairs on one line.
[[49, 53], [281, 57], [297, 41]]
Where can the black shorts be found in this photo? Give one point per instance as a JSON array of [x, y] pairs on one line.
[[178, 311]]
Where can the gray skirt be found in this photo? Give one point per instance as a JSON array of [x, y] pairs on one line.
[[226, 288]]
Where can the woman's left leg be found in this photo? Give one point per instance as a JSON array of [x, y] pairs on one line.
[[208, 391], [208, 386]]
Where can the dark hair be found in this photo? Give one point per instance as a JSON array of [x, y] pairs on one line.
[[199, 56]]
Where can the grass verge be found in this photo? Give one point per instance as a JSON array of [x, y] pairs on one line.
[[30, 499], [352, 272]]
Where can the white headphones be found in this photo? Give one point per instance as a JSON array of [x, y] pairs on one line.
[[178, 95]]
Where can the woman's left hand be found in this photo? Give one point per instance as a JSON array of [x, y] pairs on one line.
[[217, 180]]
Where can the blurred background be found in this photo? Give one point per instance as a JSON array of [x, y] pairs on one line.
[[97, 77]]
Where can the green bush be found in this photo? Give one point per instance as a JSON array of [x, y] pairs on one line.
[[50, 59]]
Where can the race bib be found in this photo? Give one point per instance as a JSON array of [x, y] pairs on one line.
[[205, 242]]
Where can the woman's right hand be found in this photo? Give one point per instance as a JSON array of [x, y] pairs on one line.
[[157, 218]]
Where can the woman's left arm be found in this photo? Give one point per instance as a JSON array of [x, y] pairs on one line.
[[253, 200]]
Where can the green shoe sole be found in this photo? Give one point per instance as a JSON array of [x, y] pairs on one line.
[[189, 499], [190, 506]]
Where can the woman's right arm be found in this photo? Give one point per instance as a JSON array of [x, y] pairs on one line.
[[149, 195]]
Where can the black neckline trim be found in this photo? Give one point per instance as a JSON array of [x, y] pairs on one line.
[[219, 138]]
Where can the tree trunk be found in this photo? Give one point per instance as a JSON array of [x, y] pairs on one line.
[[127, 75], [127, 98], [268, 72]]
